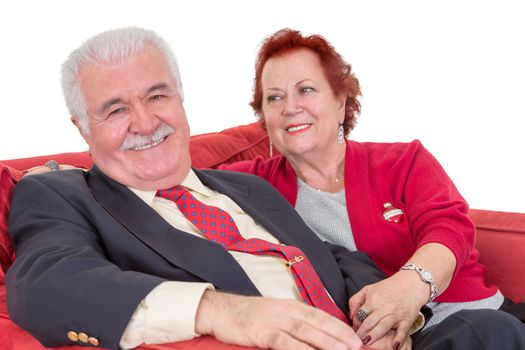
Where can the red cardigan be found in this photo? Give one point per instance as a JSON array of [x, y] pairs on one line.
[[409, 177]]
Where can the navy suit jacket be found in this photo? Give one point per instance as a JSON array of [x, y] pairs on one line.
[[89, 250]]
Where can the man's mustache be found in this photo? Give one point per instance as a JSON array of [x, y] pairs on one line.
[[137, 142]]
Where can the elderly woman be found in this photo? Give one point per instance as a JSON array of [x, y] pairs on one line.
[[391, 200]]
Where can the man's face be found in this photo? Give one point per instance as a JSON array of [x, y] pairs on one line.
[[139, 135]]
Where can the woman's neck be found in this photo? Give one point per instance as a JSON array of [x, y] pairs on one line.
[[323, 171]]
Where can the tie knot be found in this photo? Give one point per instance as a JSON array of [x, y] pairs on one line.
[[173, 193]]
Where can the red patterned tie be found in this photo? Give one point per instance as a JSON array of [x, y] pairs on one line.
[[218, 226]]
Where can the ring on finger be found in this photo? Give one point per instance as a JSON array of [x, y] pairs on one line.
[[52, 165], [361, 315]]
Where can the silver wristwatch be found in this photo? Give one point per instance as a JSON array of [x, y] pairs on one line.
[[426, 276]]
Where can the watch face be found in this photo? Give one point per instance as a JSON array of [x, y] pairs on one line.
[[427, 276]]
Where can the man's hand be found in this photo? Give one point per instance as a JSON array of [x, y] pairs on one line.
[[271, 323]]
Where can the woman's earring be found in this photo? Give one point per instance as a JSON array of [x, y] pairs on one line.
[[271, 149], [340, 134]]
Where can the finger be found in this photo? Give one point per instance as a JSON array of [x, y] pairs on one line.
[[406, 346], [369, 323], [284, 341], [401, 333], [357, 321], [316, 337], [379, 330], [335, 328], [356, 301], [37, 170]]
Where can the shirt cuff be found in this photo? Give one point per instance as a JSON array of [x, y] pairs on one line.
[[418, 324], [165, 315]]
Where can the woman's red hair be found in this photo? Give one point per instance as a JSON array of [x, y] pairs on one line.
[[337, 71]]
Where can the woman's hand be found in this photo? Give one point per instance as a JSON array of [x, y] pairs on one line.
[[385, 343], [40, 169], [393, 303]]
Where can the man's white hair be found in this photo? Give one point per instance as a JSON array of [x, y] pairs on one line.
[[113, 47]]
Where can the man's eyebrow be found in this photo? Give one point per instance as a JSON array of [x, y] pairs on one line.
[[110, 103], [159, 86]]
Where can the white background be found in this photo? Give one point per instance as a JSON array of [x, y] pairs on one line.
[[450, 73]]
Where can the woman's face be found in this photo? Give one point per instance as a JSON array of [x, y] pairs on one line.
[[301, 112]]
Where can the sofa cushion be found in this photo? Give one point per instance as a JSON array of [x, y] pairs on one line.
[[8, 179], [228, 146], [501, 241]]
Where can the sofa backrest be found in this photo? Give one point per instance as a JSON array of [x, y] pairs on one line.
[[207, 150]]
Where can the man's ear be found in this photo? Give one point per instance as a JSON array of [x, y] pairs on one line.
[[75, 121]]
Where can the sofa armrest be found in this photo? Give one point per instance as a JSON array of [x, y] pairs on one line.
[[501, 242]]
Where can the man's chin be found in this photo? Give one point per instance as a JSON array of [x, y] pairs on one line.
[[157, 176], [139, 170]]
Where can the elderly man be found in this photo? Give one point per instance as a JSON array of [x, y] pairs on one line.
[[104, 260], [144, 249]]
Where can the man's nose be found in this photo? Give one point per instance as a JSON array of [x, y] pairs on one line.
[[143, 121]]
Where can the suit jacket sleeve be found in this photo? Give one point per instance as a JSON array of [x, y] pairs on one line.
[[357, 268], [62, 279]]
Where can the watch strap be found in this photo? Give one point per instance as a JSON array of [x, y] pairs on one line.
[[426, 276]]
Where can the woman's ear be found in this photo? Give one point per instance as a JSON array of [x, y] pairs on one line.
[[262, 121], [342, 108]]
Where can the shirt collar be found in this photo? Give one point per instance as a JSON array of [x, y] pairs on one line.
[[191, 182]]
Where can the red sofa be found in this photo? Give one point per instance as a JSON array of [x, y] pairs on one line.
[[500, 235]]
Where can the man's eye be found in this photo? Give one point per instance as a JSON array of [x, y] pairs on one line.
[[156, 97], [116, 112]]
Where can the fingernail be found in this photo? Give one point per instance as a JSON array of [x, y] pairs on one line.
[[367, 339], [397, 345]]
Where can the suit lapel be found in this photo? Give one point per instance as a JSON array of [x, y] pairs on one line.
[[198, 256]]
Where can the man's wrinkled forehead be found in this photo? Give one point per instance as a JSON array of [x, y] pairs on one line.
[[106, 85]]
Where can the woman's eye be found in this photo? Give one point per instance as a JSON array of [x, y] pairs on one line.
[[307, 89], [273, 98]]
